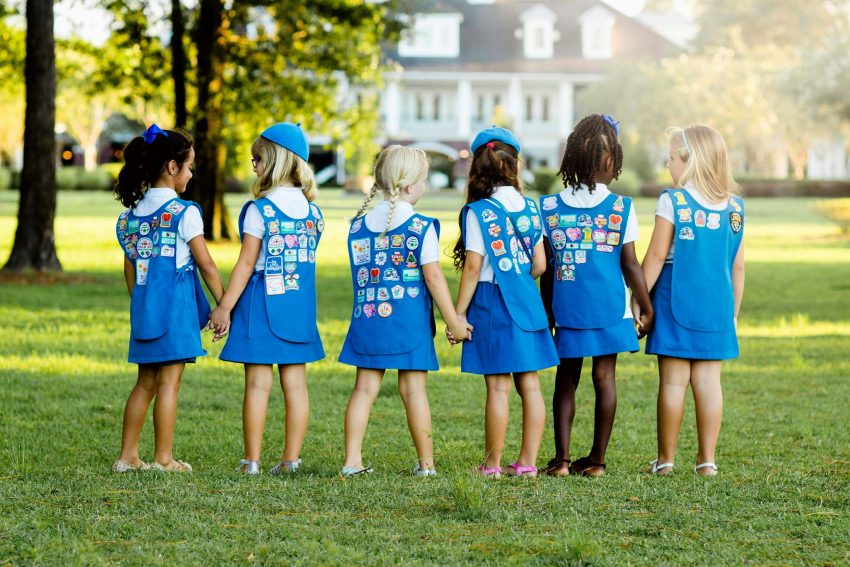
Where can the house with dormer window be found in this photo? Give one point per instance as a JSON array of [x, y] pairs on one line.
[[463, 65]]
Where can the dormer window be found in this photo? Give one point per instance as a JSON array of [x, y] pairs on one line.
[[597, 26], [432, 35], [538, 32]]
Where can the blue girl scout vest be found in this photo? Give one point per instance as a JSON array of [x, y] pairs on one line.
[[509, 239], [706, 245], [586, 245], [150, 243], [289, 275], [392, 311]]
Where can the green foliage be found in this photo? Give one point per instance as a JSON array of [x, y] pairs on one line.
[[73, 178], [629, 183], [837, 211], [5, 178], [546, 180]]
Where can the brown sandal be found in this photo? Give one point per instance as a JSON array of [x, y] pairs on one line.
[[585, 467], [557, 467]]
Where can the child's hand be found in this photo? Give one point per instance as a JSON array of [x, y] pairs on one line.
[[644, 322], [219, 322], [458, 330]]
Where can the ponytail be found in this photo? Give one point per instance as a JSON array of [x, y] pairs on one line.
[[146, 161]]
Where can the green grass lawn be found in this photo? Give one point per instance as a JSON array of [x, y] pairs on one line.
[[782, 496]]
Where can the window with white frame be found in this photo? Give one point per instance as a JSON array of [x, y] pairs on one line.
[[538, 32], [597, 27], [432, 35]]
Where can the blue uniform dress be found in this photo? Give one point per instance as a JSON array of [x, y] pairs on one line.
[[693, 297], [392, 319], [274, 321], [168, 308], [511, 331], [589, 296]]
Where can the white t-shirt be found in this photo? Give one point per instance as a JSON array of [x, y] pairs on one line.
[[584, 199], [290, 200], [376, 221], [191, 224], [511, 200], [664, 209]]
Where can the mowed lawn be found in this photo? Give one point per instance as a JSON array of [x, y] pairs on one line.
[[782, 496]]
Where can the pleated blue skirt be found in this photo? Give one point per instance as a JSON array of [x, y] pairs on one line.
[[182, 341], [251, 340], [498, 345], [578, 343], [669, 338], [422, 357]]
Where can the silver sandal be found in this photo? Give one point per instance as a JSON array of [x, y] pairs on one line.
[[285, 467], [248, 467]]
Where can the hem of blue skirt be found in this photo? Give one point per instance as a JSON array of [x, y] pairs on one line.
[[346, 358], [488, 371], [690, 355], [165, 360], [590, 354], [279, 360]]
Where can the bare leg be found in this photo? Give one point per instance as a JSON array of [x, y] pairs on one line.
[[708, 402], [255, 405], [675, 373], [604, 385], [135, 412], [293, 381], [165, 411], [533, 416], [496, 417], [357, 414], [411, 386], [564, 404]]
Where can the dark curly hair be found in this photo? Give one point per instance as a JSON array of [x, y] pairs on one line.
[[494, 164], [592, 137], [144, 163]]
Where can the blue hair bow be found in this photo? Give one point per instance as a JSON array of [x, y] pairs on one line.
[[152, 132], [615, 124]]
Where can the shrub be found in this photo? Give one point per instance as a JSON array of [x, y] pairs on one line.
[[97, 180], [546, 181], [67, 178], [629, 183], [836, 210], [5, 178]]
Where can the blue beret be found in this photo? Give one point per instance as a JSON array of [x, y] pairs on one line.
[[289, 136], [495, 134]]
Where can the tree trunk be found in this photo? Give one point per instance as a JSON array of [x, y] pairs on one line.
[[178, 64], [208, 186], [34, 241]]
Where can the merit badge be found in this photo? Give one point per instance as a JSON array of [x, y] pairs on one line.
[[572, 245], [125, 214], [275, 245], [397, 241], [309, 224], [686, 233], [355, 226], [165, 220], [360, 251], [411, 261], [268, 211], [155, 222], [398, 292], [382, 242], [383, 294], [567, 220], [274, 285], [144, 229], [568, 258], [274, 227], [274, 265], [586, 235], [699, 218], [574, 234], [357, 312], [736, 221], [418, 225], [498, 247], [361, 295], [535, 222], [559, 239], [413, 292], [553, 221], [133, 226], [312, 242], [290, 255], [505, 264], [734, 203], [370, 294], [514, 245], [302, 255], [391, 275], [156, 238], [550, 203], [600, 221], [487, 215], [142, 272], [175, 208], [385, 309], [604, 248], [144, 247], [494, 230], [300, 228], [410, 275], [509, 227], [397, 258], [380, 258], [320, 225], [302, 241], [600, 236], [584, 220], [131, 251], [312, 256], [287, 227], [685, 215], [527, 240], [169, 237], [581, 256], [291, 240], [315, 210], [369, 309], [155, 251], [586, 246], [290, 267], [713, 221], [167, 251], [614, 222], [680, 198], [290, 282], [412, 243], [613, 238], [618, 205], [122, 225], [523, 224], [374, 275]]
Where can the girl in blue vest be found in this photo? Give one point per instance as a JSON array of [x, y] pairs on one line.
[[271, 296], [695, 270], [164, 247], [395, 272], [500, 251], [591, 233]]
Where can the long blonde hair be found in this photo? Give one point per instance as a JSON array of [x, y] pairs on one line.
[[396, 168], [707, 161], [280, 167]]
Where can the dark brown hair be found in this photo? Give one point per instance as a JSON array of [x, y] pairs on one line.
[[494, 164], [592, 137], [144, 163]]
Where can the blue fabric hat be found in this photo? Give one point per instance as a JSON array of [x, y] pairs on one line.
[[289, 136], [495, 134]]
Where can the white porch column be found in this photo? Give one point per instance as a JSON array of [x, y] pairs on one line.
[[515, 104], [565, 109], [392, 108], [464, 109]]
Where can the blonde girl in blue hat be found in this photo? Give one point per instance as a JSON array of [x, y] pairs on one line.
[[500, 251], [694, 268], [163, 241], [271, 297]]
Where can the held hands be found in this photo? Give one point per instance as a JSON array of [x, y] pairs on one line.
[[459, 330], [219, 322], [643, 320]]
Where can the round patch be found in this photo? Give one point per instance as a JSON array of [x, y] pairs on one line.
[[275, 245], [144, 229], [320, 225], [412, 243], [523, 223], [559, 239], [505, 264], [362, 276], [385, 309], [600, 236], [144, 247]]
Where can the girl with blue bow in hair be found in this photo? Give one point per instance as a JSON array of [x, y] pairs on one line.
[[272, 292], [163, 241], [500, 252]]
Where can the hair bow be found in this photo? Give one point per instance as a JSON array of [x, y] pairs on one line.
[[615, 124], [152, 132], [490, 145]]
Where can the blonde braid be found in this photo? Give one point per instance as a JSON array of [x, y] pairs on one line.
[[394, 193], [366, 202]]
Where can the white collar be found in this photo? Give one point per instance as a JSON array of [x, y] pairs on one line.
[[161, 192], [399, 205]]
